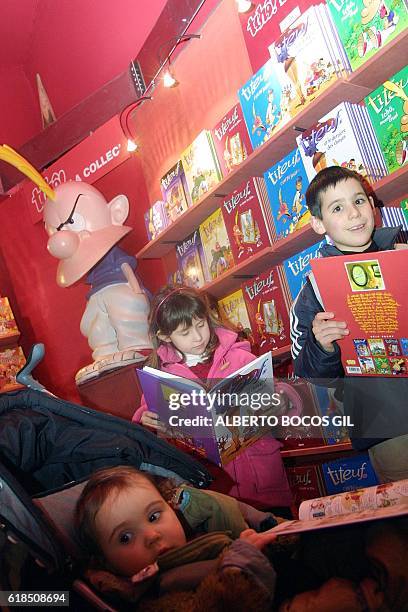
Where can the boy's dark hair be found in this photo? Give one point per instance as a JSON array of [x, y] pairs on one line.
[[329, 177]]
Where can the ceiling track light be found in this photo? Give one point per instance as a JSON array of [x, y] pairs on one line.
[[124, 122], [169, 80]]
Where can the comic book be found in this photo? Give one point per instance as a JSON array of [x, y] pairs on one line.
[[365, 27], [156, 219], [306, 59], [220, 423], [348, 474], [201, 166], [261, 99], [394, 216], [296, 269], [175, 191], [11, 361], [265, 23], [370, 294], [190, 259], [248, 219], [8, 325], [231, 140], [331, 410], [340, 138], [286, 184], [233, 310], [388, 109], [216, 245], [267, 310], [382, 501], [305, 482]]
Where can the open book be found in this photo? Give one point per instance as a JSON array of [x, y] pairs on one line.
[[367, 504], [221, 420], [370, 293]]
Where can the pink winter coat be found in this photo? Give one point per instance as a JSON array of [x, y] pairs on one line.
[[258, 472]]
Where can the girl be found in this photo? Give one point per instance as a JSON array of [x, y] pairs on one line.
[[188, 341]]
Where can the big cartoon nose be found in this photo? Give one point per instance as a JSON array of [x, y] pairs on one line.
[[63, 244]]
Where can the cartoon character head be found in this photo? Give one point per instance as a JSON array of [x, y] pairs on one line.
[[82, 227]]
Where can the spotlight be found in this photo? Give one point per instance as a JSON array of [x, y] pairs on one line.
[[244, 6], [131, 145], [168, 79]]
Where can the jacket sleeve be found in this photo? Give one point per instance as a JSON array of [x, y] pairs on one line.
[[310, 360], [245, 557], [137, 417]]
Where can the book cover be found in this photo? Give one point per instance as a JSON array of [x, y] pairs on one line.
[[388, 110], [246, 218], [267, 310], [348, 474], [175, 191], [8, 325], [190, 256], [300, 425], [11, 361], [333, 424], [260, 100], [304, 482], [296, 269], [303, 61], [216, 245], [156, 220], [286, 184], [220, 423], [371, 297], [335, 140], [265, 23], [365, 27], [233, 310], [201, 166], [394, 216], [231, 140]]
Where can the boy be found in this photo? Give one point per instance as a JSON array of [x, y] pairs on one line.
[[341, 208]]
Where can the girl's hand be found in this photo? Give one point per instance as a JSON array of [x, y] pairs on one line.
[[259, 540], [151, 420]]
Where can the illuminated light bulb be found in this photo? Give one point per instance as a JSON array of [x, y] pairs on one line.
[[131, 146], [169, 80], [244, 6]]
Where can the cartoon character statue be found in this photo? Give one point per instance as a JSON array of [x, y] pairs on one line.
[[84, 230]]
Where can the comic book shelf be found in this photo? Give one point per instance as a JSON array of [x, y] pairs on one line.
[[11, 356], [389, 191]]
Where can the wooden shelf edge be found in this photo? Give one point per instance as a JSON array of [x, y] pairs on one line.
[[318, 450]]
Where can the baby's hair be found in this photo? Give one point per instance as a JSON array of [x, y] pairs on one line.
[[326, 178], [176, 305], [99, 487]]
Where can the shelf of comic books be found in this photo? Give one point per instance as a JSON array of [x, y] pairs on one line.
[[341, 447], [11, 356], [255, 165]]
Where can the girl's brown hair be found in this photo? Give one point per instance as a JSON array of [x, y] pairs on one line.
[[99, 487], [176, 305]]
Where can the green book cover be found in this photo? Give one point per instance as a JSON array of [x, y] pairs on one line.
[[365, 26], [388, 109]]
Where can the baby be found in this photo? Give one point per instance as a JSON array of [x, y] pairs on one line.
[[125, 524]]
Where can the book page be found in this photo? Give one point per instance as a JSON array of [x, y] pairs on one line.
[[183, 381], [385, 495], [289, 527]]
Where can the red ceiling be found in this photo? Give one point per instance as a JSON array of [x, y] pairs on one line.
[[75, 45]]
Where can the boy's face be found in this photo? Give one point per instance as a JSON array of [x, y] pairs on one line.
[[347, 216], [135, 526]]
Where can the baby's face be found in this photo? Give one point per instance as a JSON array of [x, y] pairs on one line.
[[135, 526]]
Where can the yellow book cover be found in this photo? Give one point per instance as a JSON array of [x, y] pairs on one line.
[[216, 245], [234, 311]]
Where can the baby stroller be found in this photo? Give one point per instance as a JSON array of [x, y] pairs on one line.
[[48, 449]]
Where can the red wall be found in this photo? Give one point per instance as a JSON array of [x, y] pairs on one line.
[[210, 71]]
